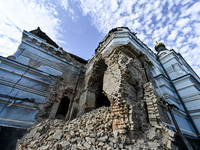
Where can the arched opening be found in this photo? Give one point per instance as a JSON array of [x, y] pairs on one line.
[[63, 108], [101, 99]]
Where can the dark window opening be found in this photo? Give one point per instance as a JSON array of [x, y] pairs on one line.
[[97, 86], [101, 99], [63, 108], [9, 137]]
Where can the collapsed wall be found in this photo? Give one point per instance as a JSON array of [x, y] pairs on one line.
[[118, 77], [133, 119], [125, 79], [97, 130]]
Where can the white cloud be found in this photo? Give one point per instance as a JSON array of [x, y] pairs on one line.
[[25, 15], [179, 41], [186, 30], [182, 22], [173, 35], [7, 46], [148, 8], [141, 36], [140, 2], [196, 27], [177, 2], [193, 9], [156, 4], [194, 40], [184, 49], [158, 17], [170, 5], [64, 4], [175, 22], [114, 5], [185, 2]]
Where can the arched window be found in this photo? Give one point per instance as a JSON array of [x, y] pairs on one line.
[[63, 108]]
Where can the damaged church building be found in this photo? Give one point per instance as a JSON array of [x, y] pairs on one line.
[[146, 91]]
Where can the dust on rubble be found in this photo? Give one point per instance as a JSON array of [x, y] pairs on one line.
[[93, 130]]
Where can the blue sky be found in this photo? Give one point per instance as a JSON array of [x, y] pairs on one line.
[[79, 25]]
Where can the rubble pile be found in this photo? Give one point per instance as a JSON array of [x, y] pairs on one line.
[[91, 131], [96, 130]]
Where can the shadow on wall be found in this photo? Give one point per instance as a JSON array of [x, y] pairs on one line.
[[9, 137], [101, 99], [63, 108]]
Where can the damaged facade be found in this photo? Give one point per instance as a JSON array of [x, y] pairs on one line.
[[148, 93]]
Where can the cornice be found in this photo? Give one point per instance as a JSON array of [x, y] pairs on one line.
[[43, 46]]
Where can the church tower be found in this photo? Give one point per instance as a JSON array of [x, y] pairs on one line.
[[184, 84]]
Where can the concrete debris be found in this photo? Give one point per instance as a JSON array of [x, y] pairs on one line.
[[61, 135]]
